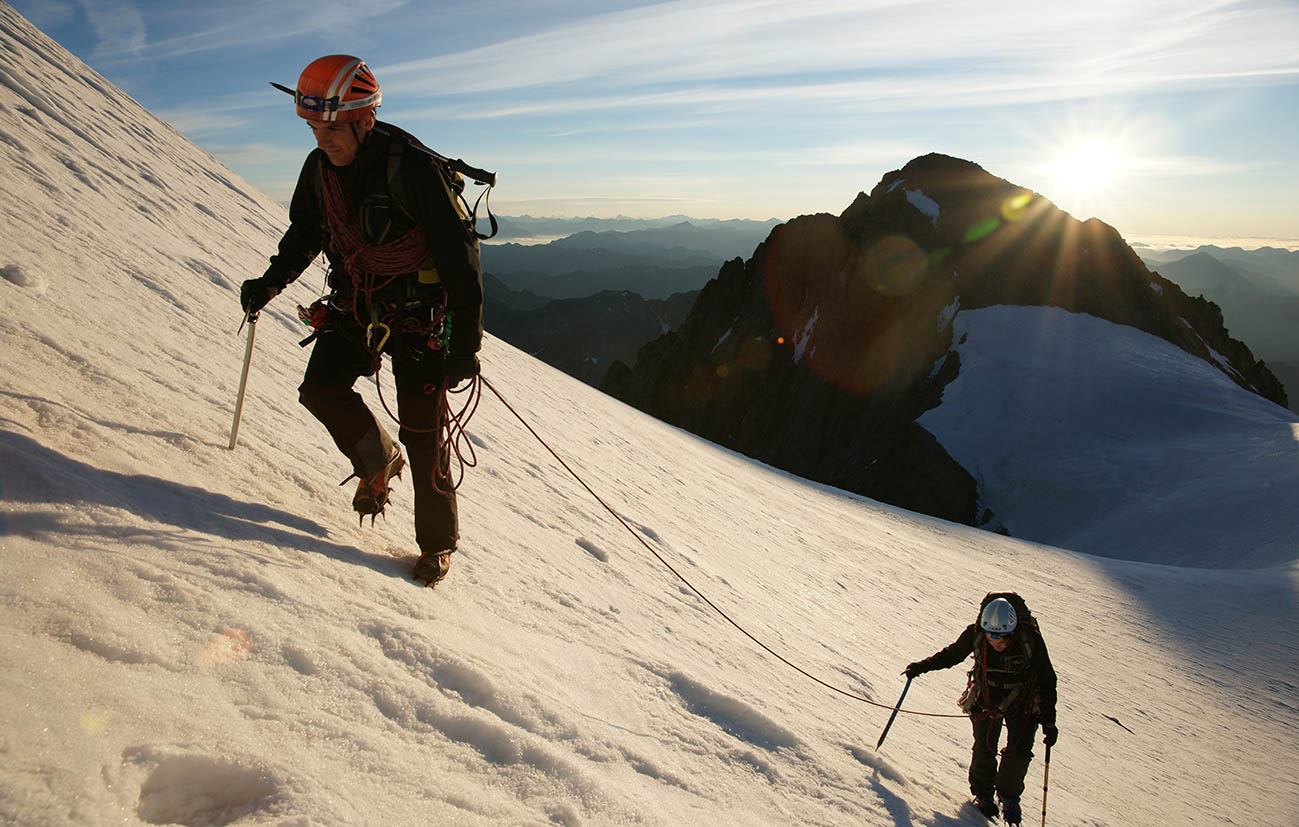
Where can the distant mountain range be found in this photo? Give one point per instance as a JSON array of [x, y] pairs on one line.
[[1271, 269], [1258, 292], [531, 229], [587, 300], [581, 336], [654, 262]]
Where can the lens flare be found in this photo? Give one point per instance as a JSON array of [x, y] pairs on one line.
[[981, 229], [95, 721], [836, 302], [1015, 207], [227, 647], [894, 266], [756, 355]]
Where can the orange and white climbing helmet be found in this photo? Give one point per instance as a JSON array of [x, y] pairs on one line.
[[335, 88]]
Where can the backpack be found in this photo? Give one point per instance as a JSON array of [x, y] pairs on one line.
[[455, 171], [975, 699]]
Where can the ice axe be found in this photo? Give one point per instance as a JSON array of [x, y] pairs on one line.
[[251, 320], [894, 715], [1046, 772]]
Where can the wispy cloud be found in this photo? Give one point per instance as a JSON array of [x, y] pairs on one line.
[[921, 90], [51, 14], [119, 31], [211, 116], [258, 154], [1184, 166], [1054, 48], [242, 25]]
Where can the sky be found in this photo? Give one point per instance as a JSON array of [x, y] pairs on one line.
[[199, 635], [1164, 118]]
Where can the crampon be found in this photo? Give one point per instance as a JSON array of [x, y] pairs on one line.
[[432, 567], [372, 495]]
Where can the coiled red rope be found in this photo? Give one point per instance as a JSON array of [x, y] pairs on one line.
[[372, 267]]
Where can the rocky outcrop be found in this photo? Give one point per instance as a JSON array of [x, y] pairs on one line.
[[581, 337], [818, 354]]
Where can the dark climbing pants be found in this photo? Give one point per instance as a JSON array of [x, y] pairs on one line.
[[1007, 779], [338, 359]]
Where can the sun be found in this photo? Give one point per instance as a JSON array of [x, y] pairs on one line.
[[1085, 176], [1090, 158], [1087, 170]]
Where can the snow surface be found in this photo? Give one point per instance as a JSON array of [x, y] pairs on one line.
[[193, 635], [925, 204], [804, 337], [1100, 438]]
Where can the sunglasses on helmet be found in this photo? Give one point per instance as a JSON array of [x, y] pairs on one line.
[[313, 103]]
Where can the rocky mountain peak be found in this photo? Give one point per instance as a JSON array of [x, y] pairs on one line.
[[818, 353]]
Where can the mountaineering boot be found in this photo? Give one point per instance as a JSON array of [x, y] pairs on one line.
[[985, 805], [1010, 810], [372, 494], [432, 567]]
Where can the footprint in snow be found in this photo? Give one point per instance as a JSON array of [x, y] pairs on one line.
[[592, 549], [734, 716], [200, 789]]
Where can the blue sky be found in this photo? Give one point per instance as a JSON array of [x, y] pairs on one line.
[[1161, 117]]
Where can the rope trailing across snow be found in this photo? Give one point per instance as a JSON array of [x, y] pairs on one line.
[[691, 586]]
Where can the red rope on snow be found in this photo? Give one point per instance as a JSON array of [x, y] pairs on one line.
[[692, 587]]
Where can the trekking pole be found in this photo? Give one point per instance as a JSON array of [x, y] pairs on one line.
[[1046, 772], [251, 319], [894, 715]]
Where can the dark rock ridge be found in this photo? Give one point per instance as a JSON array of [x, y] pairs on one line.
[[584, 336], [818, 354]]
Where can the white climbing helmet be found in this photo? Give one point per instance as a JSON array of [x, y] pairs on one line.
[[998, 618]]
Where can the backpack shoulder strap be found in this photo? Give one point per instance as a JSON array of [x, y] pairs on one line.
[[395, 188], [454, 171]]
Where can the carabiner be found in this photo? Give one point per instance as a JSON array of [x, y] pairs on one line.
[[369, 336]]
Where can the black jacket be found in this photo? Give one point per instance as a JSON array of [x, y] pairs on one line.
[[1025, 659], [423, 192]]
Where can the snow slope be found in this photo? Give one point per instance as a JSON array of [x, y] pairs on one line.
[[1100, 438], [192, 635]]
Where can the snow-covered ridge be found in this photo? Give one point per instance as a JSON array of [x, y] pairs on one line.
[[1134, 430]]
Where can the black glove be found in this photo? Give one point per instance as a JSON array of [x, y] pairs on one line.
[[255, 294], [1050, 734], [461, 367], [913, 670]]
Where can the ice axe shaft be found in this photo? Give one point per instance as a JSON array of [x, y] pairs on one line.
[[894, 715], [243, 379], [1046, 773]]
